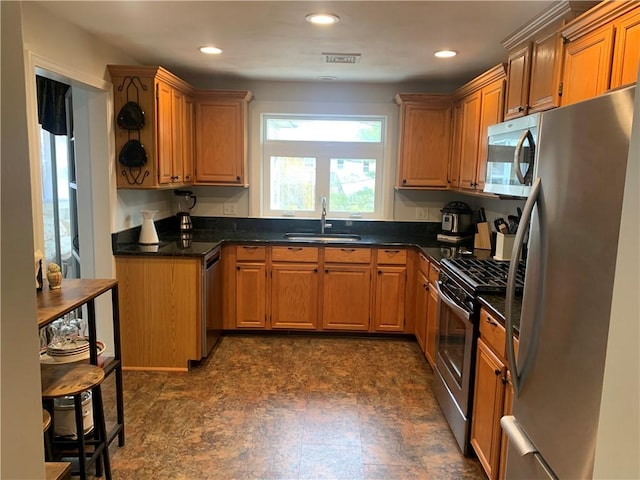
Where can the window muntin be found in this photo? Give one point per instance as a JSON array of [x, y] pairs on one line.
[[348, 168]]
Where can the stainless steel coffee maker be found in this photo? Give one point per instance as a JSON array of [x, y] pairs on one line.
[[185, 200]]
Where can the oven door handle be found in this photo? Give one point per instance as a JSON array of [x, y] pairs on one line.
[[451, 304]]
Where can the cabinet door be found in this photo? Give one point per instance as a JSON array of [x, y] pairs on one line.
[[346, 302], [470, 139], [457, 120], [488, 405], [251, 295], [587, 70], [160, 298], [424, 147], [164, 141], [219, 142], [504, 440], [432, 326], [294, 296], [178, 138], [546, 72], [389, 299], [626, 53], [188, 139], [518, 73], [491, 113], [422, 304]]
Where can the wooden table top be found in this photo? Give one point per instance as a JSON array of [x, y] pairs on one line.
[[53, 304]]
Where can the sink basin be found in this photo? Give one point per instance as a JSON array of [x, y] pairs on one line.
[[322, 237]]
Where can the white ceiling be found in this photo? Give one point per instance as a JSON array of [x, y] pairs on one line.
[[265, 40]]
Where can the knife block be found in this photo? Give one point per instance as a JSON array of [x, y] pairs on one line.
[[482, 240]]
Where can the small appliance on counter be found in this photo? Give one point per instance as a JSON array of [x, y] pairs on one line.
[[186, 200], [456, 223]]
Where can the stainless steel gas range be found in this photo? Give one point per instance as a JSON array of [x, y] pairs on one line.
[[461, 281]]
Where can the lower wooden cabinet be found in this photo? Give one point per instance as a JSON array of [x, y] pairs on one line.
[[487, 408], [422, 304], [390, 290], [295, 282], [346, 299], [493, 397], [160, 311], [251, 287], [432, 325]]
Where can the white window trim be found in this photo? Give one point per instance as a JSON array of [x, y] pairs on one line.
[[256, 166]]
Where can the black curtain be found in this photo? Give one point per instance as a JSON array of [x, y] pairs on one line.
[[51, 105]]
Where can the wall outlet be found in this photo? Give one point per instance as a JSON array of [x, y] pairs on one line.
[[229, 209], [422, 213]]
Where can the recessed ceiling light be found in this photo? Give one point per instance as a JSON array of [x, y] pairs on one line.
[[211, 50], [322, 18], [445, 53]]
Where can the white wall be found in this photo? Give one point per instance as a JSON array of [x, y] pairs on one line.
[[21, 454]]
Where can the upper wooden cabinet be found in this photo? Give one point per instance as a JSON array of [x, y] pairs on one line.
[[221, 137], [601, 50], [423, 151], [479, 104], [534, 66], [165, 133]]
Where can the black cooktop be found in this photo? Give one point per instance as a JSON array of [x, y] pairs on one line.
[[483, 275]]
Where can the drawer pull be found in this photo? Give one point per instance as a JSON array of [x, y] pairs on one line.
[[348, 250], [295, 249], [249, 248], [392, 251], [491, 321]]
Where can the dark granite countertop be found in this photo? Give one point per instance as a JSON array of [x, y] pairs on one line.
[[497, 307], [211, 232]]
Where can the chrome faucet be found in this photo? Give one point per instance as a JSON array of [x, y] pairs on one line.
[[323, 215]]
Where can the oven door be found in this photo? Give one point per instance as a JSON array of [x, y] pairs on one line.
[[454, 361]]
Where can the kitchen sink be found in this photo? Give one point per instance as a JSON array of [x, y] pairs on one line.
[[322, 237]]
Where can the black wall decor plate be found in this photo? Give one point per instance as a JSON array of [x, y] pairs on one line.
[[133, 154], [131, 116]]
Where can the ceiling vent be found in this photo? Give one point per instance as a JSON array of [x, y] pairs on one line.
[[342, 57]]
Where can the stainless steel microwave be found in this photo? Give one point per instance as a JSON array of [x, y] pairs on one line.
[[511, 156]]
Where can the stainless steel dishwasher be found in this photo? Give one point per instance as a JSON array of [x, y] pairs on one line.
[[211, 302]]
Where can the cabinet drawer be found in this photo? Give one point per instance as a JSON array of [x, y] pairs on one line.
[[434, 273], [423, 265], [494, 334], [294, 254], [392, 256], [347, 255], [251, 253]]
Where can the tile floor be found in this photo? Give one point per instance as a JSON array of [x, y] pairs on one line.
[[291, 407]]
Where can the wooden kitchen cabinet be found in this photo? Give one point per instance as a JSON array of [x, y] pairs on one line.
[[424, 140], [422, 304], [457, 123], [390, 290], [534, 66], [346, 282], [160, 311], [602, 41], [221, 137], [431, 336], [492, 396], [167, 133], [294, 287], [251, 287], [481, 103]]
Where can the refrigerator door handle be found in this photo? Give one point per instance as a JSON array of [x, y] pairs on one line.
[[518, 153], [511, 281]]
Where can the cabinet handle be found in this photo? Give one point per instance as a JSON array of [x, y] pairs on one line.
[[237, 178], [425, 286], [294, 249], [497, 371], [520, 108], [379, 272], [392, 251], [404, 181], [249, 248], [237, 268], [315, 270], [348, 250], [491, 321], [326, 270]]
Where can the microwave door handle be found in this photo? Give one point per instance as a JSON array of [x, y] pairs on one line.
[[517, 154], [532, 200], [451, 304]]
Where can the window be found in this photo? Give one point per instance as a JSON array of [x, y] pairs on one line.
[[307, 157]]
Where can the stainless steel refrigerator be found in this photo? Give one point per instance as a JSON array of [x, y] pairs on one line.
[[574, 216]]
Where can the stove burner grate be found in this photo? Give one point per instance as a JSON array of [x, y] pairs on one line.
[[485, 275]]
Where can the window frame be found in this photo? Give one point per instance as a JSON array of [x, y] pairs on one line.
[[323, 152]]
